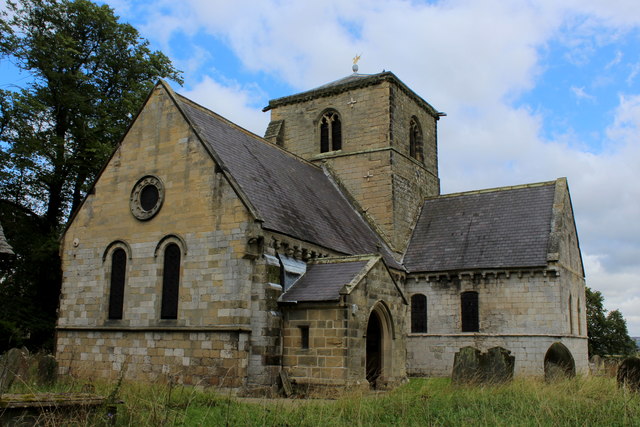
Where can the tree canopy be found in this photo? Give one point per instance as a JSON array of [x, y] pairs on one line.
[[608, 333], [88, 74]]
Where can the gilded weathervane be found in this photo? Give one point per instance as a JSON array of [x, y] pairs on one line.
[[355, 63]]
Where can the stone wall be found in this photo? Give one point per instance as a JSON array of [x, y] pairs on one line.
[[201, 213], [337, 334], [207, 358], [433, 354], [377, 292], [373, 165], [324, 361], [524, 312]]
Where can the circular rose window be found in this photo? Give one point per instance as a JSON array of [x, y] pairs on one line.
[[146, 198]]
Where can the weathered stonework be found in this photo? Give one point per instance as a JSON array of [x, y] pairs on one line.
[[524, 311], [201, 213], [336, 352], [223, 202], [374, 164]]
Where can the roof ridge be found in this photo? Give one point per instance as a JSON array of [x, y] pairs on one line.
[[494, 189]]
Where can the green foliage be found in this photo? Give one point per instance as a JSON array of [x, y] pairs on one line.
[[88, 75], [608, 333]]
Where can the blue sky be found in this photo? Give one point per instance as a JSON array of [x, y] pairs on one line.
[[534, 90]]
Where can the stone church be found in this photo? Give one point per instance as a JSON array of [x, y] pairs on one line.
[[323, 249]]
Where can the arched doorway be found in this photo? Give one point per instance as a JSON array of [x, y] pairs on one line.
[[558, 362], [374, 348]]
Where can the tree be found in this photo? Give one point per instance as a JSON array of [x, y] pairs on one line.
[[89, 74], [608, 333]]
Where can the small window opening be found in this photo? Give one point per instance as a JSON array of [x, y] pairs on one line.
[[116, 288], [415, 140], [304, 337], [170, 282], [418, 313], [330, 132], [470, 313]]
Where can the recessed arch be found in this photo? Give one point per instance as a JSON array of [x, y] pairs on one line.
[[114, 259], [116, 244], [166, 240], [558, 362], [379, 338], [330, 131], [416, 148]]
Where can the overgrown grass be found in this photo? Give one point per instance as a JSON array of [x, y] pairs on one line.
[[524, 402]]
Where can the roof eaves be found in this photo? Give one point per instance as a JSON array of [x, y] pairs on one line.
[[337, 87]]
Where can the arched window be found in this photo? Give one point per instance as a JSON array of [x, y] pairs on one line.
[[415, 140], [330, 132], [470, 313], [418, 313], [170, 282], [116, 288]]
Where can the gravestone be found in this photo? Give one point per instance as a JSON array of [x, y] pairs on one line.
[[596, 364], [629, 374], [497, 365], [466, 366], [47, 369], [12, 364]]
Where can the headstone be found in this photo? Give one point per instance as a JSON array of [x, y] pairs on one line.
[[286, 384], [629, 374], [466, 366], [596, 364], [496, 365], [47, 370], [11, 365]]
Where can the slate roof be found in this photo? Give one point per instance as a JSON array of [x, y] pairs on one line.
[[5, 248], [499, 228], [323, 282], [290, 195]]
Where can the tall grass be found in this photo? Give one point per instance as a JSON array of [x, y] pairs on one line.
[[523, 402]]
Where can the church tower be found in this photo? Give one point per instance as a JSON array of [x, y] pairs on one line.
[[376, 136]]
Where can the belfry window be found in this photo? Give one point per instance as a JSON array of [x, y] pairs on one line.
[[469, 311], [170, 282], [418, 313], [415, 140], [116, 288], [330, 132]]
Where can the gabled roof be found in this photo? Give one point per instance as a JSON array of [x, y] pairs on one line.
[[290, 195], [499, 228], [351, 82], [5, 248]]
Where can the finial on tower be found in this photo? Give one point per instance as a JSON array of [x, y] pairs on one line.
[[355, 63]]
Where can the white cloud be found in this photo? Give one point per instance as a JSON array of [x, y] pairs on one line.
[[580, 94], [233, 101], [469, 58]]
